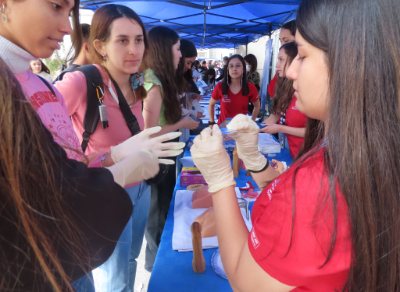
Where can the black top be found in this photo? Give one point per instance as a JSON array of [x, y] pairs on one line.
[[99, 207]]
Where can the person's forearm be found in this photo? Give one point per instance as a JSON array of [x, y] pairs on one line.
[[298, 132], [211, 111], [256, 110], [232, 232], [265, 177], [167, 129]]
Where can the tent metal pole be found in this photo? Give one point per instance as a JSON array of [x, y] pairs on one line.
[[247, 42], [205, 23]]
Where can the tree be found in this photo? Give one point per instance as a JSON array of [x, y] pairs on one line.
[[55, 62]]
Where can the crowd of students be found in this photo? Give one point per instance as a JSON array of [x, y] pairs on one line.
[[87, 165]]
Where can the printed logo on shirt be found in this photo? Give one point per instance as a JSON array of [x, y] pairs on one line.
[[226, 99], [272, 188], [295, 108], [254, 239], [41, 97]]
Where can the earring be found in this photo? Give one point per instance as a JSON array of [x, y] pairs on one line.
[[104, 58], [3, 10]]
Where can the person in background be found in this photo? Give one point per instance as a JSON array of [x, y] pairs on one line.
[[195, 71], [118, 60], [234, 92], [251, 71], [210, 64], [252, 76], [184, 73], [209, 77], [291, 122], [40, 69], [329, 222], [286, 35], [162, 107], [222, 70], [81, 56], [203, 67]]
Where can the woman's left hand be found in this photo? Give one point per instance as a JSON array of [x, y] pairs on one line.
[[270, 128]]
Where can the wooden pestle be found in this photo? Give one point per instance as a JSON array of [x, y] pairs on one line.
[[235, 165], [199, 264]]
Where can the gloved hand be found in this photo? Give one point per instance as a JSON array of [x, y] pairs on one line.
[[143, 141], [211, 159], [138, 166], [246, 136]]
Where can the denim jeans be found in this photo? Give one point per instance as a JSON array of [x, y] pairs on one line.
[[119, 271]]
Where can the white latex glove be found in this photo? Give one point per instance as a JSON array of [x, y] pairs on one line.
[[211, 159], [138, 166], [246, 136], [143, 141]]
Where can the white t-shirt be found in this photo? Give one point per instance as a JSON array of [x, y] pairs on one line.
[[46, 76]]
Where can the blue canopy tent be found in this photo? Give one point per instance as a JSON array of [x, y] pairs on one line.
[[213, 23]]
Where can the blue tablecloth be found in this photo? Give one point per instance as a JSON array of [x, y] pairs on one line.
[[173, 270]]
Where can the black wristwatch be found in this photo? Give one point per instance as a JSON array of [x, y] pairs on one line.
[[211, 123]]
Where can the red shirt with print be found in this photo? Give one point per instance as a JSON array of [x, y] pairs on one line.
[[234, 104], [294, 118], [297, 259]]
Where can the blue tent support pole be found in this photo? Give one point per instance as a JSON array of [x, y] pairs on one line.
[[268, 99], [205, 24], [247, 42]]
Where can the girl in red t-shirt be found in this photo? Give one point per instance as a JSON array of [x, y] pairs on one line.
[[291, 122], [234, 92], [330, 222]]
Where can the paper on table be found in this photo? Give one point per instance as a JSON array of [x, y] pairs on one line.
[[267, 144], [183, 219]]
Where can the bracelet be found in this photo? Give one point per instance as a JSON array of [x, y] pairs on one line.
[[211, 123], [264, 168], [104, 158]]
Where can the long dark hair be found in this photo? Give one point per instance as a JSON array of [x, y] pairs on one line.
[[160, 60], [227, 77], [206, 74], [76, 36], [284, 86], [362, 149], [290, 25], [101, 30], [188, 50], [252, 60], [28, 191]]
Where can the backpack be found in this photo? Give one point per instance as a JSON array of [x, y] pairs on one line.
[[94, 83]]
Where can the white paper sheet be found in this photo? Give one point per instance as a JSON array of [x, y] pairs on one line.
[[184, 216]]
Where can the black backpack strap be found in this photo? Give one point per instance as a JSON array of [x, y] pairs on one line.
[[48, 85], [92, 115], [130, 118], [70, 68]]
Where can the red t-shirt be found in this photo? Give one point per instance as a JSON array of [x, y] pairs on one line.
[[272, 84], [234, 104], [296, 119], [269, 239]]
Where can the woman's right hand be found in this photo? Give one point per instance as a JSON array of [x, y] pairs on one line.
[[188, 123]]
